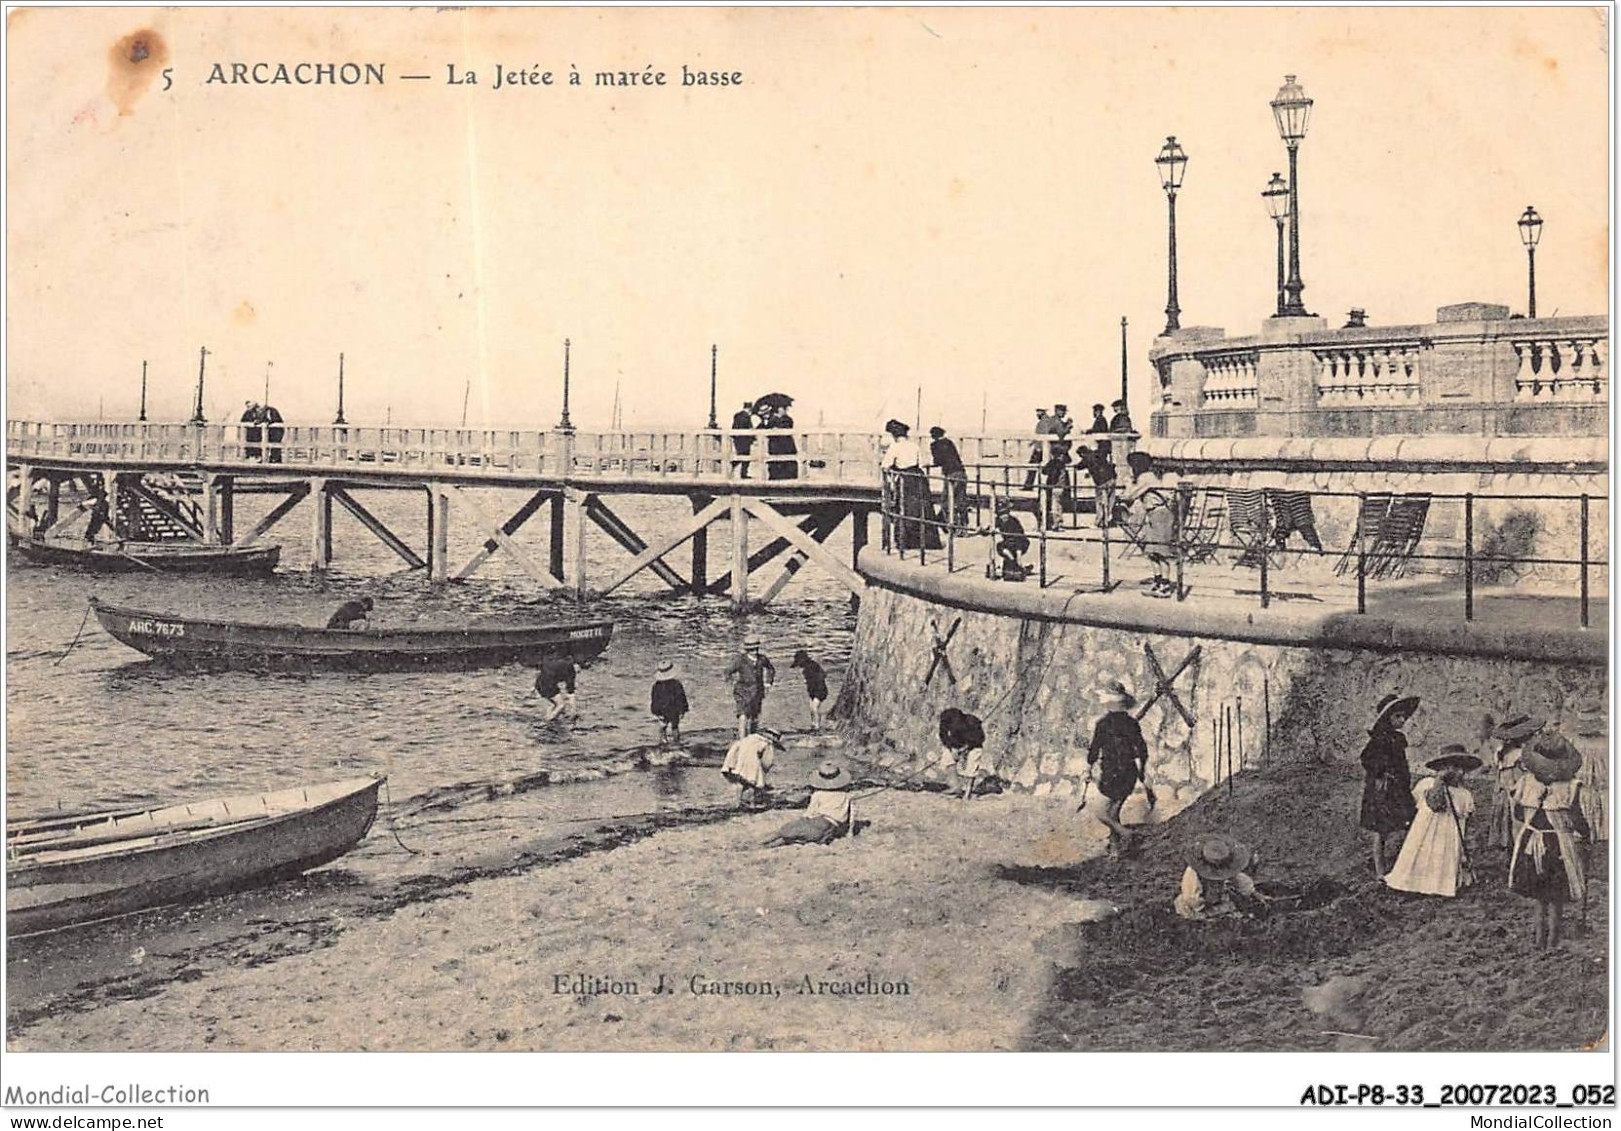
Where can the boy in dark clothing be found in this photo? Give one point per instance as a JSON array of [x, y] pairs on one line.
[[273, 433], [351, 613], [555, 684], [669, 703], [1055, 481], [815, 684], [944, 455], [1012, 542], [742, 420], [1105, 482], [1119, 760]]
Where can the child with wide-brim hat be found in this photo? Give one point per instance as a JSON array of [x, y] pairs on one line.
[[1387, 788], [828, 815], [1117, 760], [1509, 739], [1217, 879], [1546, 861], [1434, 857], [668, 702]]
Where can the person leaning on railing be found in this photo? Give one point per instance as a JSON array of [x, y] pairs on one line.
[[902, 464], [943, 454]]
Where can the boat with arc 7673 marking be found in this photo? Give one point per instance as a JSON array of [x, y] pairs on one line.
[[193, 642]]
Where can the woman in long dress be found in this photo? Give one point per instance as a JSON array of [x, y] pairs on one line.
[[903, 468], [1434, 858], [1546, 864], [1387, 798]]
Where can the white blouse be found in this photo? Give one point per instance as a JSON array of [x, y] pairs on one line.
[[903, 454]]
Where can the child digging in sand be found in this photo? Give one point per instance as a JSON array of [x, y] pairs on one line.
[[1546, 864], [1434, 859]]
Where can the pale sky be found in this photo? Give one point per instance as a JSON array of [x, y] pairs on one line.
[[963, 200]]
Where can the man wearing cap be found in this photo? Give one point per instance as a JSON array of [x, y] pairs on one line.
[[1217, 880], [1122, 419], [1038, 450], [742, 421], [1118, 760], [668, 703], [748, 760], [1012, 543], [752, 675]]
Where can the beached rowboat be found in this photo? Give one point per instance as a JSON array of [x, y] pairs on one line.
[[151, 557], [66, 870], [193, 642]]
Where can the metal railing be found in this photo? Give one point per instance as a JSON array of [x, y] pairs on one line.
[[1470, 541]]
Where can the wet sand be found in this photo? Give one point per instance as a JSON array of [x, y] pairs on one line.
[[482, 942]]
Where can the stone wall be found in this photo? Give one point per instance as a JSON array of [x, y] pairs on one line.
[[1035, 681]]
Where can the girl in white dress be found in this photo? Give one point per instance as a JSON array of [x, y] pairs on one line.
[[1434, 858]]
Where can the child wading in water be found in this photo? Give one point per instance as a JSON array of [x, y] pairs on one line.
[[1434, 859], [815, 685], [1546, 864], [748, 760], [669, 703]]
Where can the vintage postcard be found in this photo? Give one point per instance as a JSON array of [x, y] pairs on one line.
[[803, 529]]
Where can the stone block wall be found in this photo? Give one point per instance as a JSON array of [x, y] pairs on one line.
[[1036, 681]]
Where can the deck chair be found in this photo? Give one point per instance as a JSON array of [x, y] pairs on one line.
[[1370, 520], [1201, 530], [1247, 516], [1292, 514], [1399, 536]]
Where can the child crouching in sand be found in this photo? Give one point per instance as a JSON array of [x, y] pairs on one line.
[[828, 816]]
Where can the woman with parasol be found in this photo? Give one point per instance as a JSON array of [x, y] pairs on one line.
[[773, 411], [1434, 859]]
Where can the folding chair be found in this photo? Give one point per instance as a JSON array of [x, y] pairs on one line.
[[1370, 520]]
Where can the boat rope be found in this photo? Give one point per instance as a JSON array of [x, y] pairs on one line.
[[76, 636], [393, 831]]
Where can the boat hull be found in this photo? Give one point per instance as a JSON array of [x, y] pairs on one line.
[[189, 643], [154, 557], [60, 887]]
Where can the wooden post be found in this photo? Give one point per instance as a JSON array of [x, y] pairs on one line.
[[320, 525], [740, 553], [225, 488], [555, 555], [211, 509], [432, 540], [109, 481], [576, 505], [700, 542]]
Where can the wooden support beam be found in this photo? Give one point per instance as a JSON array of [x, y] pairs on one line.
[[700, 547], [509, 528], [211, 509], [813, 549], [795, 560], [507, 543], [716, 510], [620, 532], [769, 551], [372, 523], [576, 502], [555, 558], [439, 561], [225, 487], [740, 552], [320, 525], [134, 485], [279, 512]]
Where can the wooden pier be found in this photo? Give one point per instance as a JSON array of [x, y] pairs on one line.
[[782, 493]]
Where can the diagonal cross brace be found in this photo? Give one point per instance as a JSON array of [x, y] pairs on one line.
[[941, 644], [1164, 685]]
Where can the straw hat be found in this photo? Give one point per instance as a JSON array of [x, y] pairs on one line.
[[1454, 757], [830, 775], [1218, 857], [751, 642], [1117, 695], [1552, 759], [665, 667], [1518, 729], [1391, 704]]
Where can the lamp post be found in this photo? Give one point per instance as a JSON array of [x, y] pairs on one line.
[[197, 411], [1124, 391], [1171, 161], [1530, 233], [1277, 206], [143, 392], [714, 422], [563, 424], [339, 418], [1291, 109]]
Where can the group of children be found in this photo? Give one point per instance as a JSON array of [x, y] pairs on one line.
[[1536, 816]]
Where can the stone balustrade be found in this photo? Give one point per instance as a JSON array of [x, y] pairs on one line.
[[1561, 368], [1230, 378], [1377, 374]]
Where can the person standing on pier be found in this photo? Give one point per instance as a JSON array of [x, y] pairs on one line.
[[815, 684], [1118, 760], [252, 430], [742, 421], [1100, 422], [273, 433], [669, 703], [1055, 493], [903, 471], [1105, 481], [943, 454], [555, 684], [748, 761], [1387, 790], [1122, 418], [752, 675]]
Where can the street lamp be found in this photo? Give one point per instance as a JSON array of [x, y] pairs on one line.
[[563, 424], [714, 422], [1277, 207], [1530, 233], [1171, 161], [1291, 109]]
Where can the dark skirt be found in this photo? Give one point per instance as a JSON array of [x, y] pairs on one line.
[[1386, 806], [915, 507], [1118, 780], [1547, 884], [807, 830]]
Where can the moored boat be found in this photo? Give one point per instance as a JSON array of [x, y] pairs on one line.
[[151, 557], [198, 643], [75, 869]]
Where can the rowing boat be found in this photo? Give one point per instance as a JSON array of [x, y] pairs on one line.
[[152, 557], [192, 642], [76, 869]]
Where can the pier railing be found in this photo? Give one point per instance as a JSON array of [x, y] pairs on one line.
[[1272, 544], [700, 455]]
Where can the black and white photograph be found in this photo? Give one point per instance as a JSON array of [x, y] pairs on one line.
[[809, 530]]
